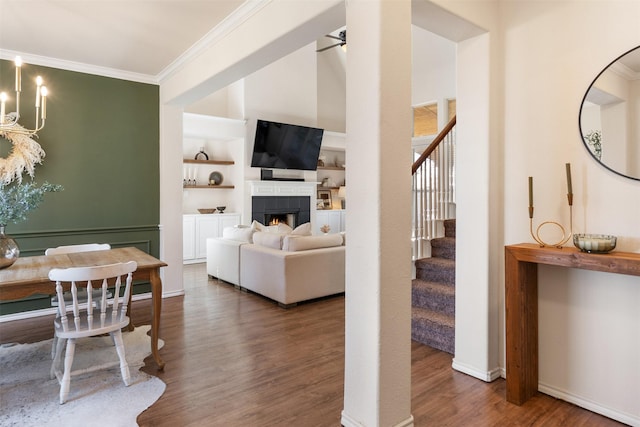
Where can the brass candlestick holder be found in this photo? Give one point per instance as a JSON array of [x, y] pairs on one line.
[[565, 238]]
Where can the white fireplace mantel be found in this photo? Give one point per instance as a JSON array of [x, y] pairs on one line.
[[284, 188]]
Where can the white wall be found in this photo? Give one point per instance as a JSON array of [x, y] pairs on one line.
[[537, 78], [283, 91], [331, 87], [433, 77], [589, 322]]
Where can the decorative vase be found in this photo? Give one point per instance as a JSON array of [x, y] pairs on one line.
[[9, 250]]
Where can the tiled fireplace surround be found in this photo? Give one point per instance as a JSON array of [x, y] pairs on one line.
[[290, 201]]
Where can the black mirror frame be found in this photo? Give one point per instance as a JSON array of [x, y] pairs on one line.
[[582, 136]]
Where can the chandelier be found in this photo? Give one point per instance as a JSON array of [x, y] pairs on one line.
[[9, 121]]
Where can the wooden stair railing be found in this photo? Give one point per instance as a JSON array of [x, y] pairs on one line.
[[433, 188]]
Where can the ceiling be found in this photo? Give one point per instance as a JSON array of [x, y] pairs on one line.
[[133, 36]]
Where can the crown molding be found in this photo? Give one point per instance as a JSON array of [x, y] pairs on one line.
[[231, 22], [624, 71], [235, 19], [62, 64]]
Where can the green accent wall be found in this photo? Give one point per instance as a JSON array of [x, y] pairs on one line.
[[102, 145]]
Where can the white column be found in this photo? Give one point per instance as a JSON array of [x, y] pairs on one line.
[[170, 192], [378, 289]]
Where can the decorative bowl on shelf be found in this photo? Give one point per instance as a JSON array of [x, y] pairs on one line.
[[221, 208], [595, 243], [215, 178], [207, 211]]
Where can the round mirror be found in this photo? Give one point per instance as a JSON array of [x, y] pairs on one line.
[[610, 116]]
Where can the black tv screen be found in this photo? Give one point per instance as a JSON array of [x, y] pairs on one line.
[[284, 146]]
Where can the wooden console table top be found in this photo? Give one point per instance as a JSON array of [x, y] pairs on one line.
[[521, 304]]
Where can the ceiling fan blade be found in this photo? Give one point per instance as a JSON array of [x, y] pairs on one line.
[[329, 47], [333, 37]]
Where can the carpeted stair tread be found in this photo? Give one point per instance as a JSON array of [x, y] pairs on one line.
[[450, 228], [436, 269], [435, 296], [433, 293], [443, 247], [433, 329]]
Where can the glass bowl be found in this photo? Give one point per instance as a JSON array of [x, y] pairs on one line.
[[595, 243]]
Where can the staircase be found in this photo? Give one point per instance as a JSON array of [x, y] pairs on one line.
[[433, 293]]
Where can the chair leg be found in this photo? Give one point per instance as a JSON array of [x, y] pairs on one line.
[[57, 351], [66, 377], [124, 366], [53, 346]]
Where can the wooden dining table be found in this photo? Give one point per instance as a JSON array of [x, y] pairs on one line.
[[30, 275]]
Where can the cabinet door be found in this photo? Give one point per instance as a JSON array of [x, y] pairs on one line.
[[335, 221], [322, 218], [332, 218], [188, 237], [228, 221], [343, 220], [206, 226]]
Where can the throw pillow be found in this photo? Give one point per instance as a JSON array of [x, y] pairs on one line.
[[282, 229], [270, 240], [243, 234], [293, 243], [302, 230], [257, 226]]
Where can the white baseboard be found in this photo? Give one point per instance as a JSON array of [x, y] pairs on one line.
[[171, 294], [486, 376], [347, 421], [614, 414]]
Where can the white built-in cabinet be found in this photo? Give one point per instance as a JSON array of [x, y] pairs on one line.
[[197, 228], [335, 218]]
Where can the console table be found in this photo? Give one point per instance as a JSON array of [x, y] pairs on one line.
[[521, 304]]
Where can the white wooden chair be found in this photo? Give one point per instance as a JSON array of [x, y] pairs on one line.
[[60, 250], [68, 249], [88, 319]]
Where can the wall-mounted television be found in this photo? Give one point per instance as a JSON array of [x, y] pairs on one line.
[[285, 146]]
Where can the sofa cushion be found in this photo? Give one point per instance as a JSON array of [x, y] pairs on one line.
[[268, 239], [278, 228], [302, 230], [258, 226], [240, 234], [293, 243]]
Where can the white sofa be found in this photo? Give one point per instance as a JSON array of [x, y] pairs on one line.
[[289, 277], [223, 259], [288, 268], [223, 254]]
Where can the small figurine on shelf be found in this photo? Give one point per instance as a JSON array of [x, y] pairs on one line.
[[202, 155], [325, 228]]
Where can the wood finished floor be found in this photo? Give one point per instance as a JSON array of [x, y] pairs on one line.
[[237, 359]]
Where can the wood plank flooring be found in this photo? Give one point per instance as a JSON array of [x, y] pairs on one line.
[[237, 359]]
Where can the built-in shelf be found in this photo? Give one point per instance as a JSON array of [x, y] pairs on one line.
[[209, 162], [211, 187], [331, 168]]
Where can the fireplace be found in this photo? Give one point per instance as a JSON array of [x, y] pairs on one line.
[[291, 202], [291, 210]]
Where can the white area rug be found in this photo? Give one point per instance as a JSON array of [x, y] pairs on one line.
[[28, 397]]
